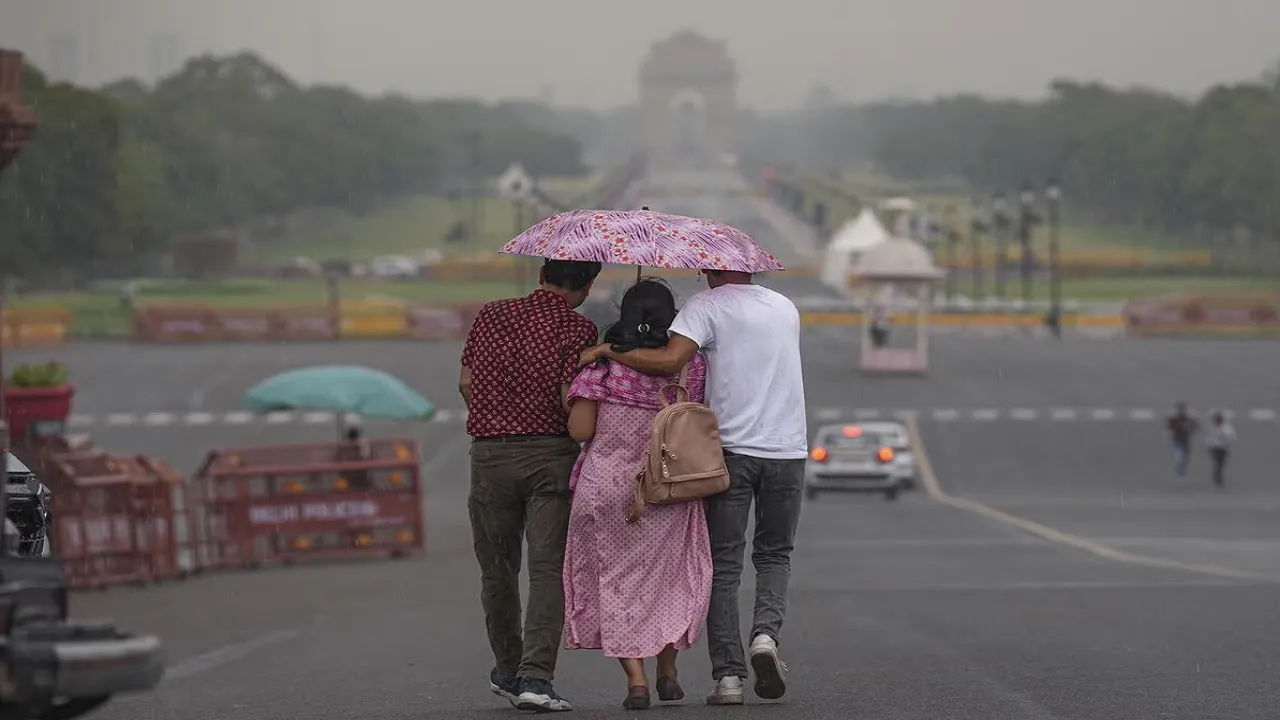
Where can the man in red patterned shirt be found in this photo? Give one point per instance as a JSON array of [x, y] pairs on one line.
[[520, 357]]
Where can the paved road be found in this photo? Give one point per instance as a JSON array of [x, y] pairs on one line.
[[1055, 573]]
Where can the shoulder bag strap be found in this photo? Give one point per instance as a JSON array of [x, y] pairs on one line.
[[681, 388]]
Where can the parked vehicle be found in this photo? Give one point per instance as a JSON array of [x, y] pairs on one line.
[[53, 668]]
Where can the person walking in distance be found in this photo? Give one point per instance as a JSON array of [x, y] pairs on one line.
[[518, 361], [750, 336], [1218, 439], [1181, 427]]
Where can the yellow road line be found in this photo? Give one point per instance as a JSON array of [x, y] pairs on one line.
[[935, 491]]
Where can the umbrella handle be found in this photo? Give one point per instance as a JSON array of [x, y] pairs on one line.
[[640, 267]]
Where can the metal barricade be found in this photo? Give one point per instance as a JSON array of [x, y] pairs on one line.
[[282, 503], [165, 526], [94, 519]]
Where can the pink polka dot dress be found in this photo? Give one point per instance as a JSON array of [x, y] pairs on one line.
[[631, 589]]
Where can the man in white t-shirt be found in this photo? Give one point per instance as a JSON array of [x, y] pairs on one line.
[[751, 338]]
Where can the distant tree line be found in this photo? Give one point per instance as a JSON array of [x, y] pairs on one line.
[[114, 175], [1126, 156]]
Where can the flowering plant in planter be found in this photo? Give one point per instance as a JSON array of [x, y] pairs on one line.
[[37, 400], [38, 375]]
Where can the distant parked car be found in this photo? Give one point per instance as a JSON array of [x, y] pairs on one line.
[[299, 267], [866, 457], [395, 266]]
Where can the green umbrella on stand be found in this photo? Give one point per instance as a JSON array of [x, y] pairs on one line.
[[340, 389]]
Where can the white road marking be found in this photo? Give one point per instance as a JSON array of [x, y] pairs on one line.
[[1051, 585], [204, 662], [920, 543], [159, 419], [929, 479], [241, 417]]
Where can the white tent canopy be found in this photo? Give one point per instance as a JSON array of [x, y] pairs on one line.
[[847, 245]]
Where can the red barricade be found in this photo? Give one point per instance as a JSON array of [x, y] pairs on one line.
[[282, 503], [116, 519], [94, 519], [166, 517]]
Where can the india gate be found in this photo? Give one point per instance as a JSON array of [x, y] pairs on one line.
[[688, 99]]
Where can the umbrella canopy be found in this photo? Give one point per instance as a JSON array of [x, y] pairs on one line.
[[339, 389], [645, 238]]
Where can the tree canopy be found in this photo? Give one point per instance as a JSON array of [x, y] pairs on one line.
[[114, 175], [1130, 156]]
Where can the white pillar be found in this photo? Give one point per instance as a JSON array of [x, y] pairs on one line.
[[864, 347], [924, 299]]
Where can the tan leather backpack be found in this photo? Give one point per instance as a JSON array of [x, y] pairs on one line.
[[686, 461]]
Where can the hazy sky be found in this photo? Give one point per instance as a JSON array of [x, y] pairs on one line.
[[588, 51]]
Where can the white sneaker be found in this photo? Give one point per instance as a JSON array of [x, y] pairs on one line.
[[728, 692], [770, 683]]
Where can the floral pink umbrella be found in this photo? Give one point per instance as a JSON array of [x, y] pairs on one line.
[[643, 238]]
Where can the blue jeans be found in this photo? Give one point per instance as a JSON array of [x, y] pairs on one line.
[[1181, 458], [777, 487]]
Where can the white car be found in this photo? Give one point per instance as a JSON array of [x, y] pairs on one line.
[[395, 266], [865, 457]]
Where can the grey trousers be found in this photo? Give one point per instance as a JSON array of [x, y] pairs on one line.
[[776, 486], [520, 492]]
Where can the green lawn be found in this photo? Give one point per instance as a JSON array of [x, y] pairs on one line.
[[100, 313], [410, 226], [1128, 288], [1122, 288]]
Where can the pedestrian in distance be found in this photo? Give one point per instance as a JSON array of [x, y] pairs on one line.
[[1181, 428], [1218, 438], [750, 336], [634, 589], [519, 358]]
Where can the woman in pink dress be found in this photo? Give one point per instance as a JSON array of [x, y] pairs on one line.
[[634, 590]]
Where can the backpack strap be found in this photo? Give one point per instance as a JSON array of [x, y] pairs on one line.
[[681, 387], [637, 504]]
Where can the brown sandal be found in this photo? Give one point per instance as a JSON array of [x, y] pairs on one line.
[[669, 690], [637, 698]]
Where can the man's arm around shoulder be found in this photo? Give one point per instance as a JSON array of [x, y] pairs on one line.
[[692, 329], [657, 361]]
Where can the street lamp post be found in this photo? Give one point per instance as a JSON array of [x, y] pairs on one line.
[[1053, 193], [952, 238], [1001, 222], [1026, 220], [17, 123], [978, 224]]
